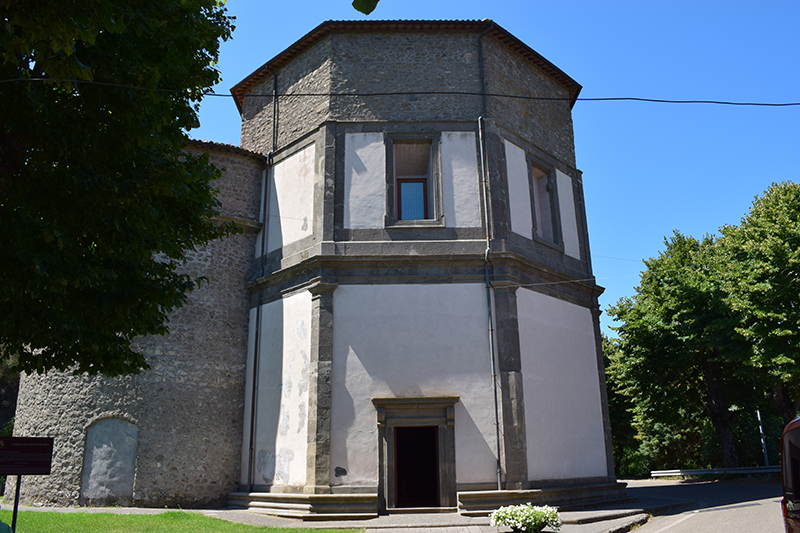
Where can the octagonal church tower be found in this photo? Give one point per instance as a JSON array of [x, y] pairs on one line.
[[409, 319], [424, 325]]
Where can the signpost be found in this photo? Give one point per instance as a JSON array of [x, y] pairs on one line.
[[31, 456]]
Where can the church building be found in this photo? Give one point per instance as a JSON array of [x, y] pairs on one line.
[[409, 319]]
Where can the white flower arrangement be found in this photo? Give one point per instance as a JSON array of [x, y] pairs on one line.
[[527, 518]]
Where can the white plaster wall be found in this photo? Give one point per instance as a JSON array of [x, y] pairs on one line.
[[364, 180], [569, 220], [282, 404], [460, 183], [519, 192], [563, 409], [406, 341], [291, 199]]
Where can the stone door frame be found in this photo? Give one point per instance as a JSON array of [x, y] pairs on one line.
[[436, 411]]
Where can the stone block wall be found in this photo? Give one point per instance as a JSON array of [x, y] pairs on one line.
[[547, 124], [188, 407], [405, 62], [297, 115], [362, 63]]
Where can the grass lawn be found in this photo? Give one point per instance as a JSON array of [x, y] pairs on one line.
[[170, 522]]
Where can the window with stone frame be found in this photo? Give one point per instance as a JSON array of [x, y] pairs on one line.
[[413, 180], [412, 170], [544, 198]]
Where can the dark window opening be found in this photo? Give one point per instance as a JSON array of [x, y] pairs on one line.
[[417, 466]]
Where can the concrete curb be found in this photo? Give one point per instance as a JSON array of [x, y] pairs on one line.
[[628, 523]]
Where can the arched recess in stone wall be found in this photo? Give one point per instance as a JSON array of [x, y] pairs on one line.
[[109, 462]]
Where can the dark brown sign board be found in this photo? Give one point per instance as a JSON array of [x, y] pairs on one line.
[[28, 456]]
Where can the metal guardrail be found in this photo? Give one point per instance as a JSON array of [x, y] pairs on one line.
[[716, 471]]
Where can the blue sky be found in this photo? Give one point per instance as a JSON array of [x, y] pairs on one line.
[[648, 168]]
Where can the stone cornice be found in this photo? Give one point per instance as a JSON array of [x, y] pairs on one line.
[[247, 225], [507, 270]]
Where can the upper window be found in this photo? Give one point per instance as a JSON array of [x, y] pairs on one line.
[[543, 200], [413, 180], [412, 174]]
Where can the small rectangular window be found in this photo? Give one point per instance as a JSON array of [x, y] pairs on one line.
[[543, 203], [412, 174]]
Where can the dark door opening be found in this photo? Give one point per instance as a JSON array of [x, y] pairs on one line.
[[416, 466]]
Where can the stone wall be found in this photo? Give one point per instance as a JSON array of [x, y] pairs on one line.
[[547, 124], [344, 63], [188, 406], [405, 62], [297, 115]]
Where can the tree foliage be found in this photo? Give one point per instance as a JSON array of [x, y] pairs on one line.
[[365, 6], [679, 339], [624, 441], [98, 202], [713, 328], [762, 280]]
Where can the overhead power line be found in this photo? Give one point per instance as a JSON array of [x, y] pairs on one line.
[[420, 93]]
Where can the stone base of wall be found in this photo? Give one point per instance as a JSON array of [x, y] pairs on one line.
[[308, 506], [470, 503], [482, 503]]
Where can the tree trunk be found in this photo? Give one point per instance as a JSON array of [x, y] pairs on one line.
[[782, 400], [719, 411]]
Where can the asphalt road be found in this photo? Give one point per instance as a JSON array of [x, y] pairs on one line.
[[745, 506]]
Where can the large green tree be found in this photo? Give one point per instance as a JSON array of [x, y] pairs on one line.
[[98, 202], [761, 273], [680, 352], [624, 433]]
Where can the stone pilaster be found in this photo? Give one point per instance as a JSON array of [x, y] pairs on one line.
[[319, 402], [601, 371], [513, 438], [500, 222], [324, 189]]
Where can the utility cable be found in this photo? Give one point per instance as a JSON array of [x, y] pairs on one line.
[[419, 93]]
